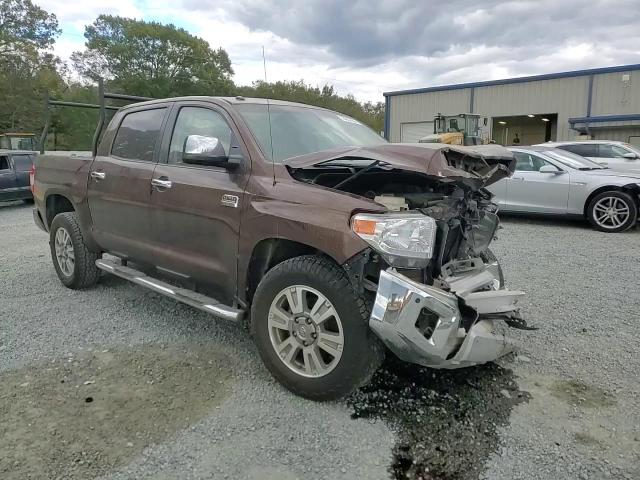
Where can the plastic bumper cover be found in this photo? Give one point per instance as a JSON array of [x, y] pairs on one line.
[[400, 302]]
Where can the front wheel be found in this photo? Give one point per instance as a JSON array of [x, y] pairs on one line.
[[311, 329], [612, 211]]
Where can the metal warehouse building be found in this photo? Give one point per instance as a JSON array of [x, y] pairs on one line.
[[600, 103]]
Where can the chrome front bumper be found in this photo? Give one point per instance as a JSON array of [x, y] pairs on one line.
[[424, 325]]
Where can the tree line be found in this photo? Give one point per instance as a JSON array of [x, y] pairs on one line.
[[132, 56]]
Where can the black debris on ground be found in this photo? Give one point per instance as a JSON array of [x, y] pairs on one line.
[[446, 420]]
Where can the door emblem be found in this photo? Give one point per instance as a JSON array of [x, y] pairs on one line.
[[230, 200]]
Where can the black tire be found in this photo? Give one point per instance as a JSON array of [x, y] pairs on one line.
[[362, 353], [489, 257], [85, 273], [628, 200]]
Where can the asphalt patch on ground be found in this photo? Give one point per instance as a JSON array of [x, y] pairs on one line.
[[446, 420], [91, 411]]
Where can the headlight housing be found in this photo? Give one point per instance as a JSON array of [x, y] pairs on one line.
[[404, 240]]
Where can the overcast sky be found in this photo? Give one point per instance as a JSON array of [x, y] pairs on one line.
[[369, 47]]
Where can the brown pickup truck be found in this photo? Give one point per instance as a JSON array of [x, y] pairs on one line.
[[333, 244]]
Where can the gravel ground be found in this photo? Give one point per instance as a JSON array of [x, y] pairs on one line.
[[566, 407]]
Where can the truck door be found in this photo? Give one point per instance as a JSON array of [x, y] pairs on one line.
[[196, 208], [7, 179], [119, 188]]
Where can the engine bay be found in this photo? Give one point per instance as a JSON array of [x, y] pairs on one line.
[[466, 217]]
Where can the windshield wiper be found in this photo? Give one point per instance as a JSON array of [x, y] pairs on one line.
[[592, 168], [352, 177]]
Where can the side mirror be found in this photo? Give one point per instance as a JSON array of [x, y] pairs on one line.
[[484, 120], [203, 150], [550, 169], [630, 156]]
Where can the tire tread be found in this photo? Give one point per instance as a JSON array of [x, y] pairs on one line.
[[86, 273], [326, 270]]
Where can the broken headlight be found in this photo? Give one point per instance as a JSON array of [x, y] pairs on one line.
[[403, 240]]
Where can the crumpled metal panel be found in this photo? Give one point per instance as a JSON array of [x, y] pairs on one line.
[[399, 302]]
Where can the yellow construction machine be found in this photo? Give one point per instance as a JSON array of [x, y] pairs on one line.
[[461, 129]]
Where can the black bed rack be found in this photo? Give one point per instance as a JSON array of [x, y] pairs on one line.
[[101, 106]]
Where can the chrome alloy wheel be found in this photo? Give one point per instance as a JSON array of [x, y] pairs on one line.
[[64, 252], [610, 212], [305, 331]]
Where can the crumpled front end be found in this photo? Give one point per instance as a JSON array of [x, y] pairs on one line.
[[459, 323]]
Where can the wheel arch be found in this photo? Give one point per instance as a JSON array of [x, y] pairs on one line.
[[632, 189], [268, 253], [57, 203]]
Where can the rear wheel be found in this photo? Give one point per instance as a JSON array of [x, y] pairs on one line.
[[73, 261], [311, 329], [612, 211]]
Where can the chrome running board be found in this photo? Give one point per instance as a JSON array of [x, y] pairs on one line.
[[194, 299]]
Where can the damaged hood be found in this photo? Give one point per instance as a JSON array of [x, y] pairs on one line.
[[475, 166]]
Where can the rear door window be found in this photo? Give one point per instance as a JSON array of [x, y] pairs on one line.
[[138, 134], [22, 163], [583, 149], [606, 150], [4, 163]]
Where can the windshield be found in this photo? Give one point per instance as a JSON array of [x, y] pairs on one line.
[[301, 130], [572, 160]]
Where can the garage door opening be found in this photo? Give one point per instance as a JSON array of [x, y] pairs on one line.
[[412, 132], [524, 129]]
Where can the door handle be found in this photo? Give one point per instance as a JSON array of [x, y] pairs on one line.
[[161, 184], [518, 178], [98, 175]]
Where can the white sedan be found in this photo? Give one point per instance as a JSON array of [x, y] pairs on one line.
[[615, 155], [557, 182]]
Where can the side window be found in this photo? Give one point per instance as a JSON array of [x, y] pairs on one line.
[[4, 163], [583, 149], [22, 163], [525, 162], [137, 135], [197, 121], [611, 151]]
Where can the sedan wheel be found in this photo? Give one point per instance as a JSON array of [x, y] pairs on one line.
[[613, 211]]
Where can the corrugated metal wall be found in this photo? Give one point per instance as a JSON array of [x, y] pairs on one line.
[[565, 96], [568, 97], [614, 96], [618, 134], [422, 107]]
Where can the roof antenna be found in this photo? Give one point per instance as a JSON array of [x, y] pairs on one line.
[[273, 164]]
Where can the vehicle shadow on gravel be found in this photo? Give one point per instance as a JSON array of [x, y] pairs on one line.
[[87, 413], [446, 420]]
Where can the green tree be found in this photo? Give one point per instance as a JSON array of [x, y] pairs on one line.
[[371, 114], [26, 67], [25, 27], [151, 59]]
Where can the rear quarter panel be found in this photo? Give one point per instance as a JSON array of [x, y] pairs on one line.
[[66, 175]]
